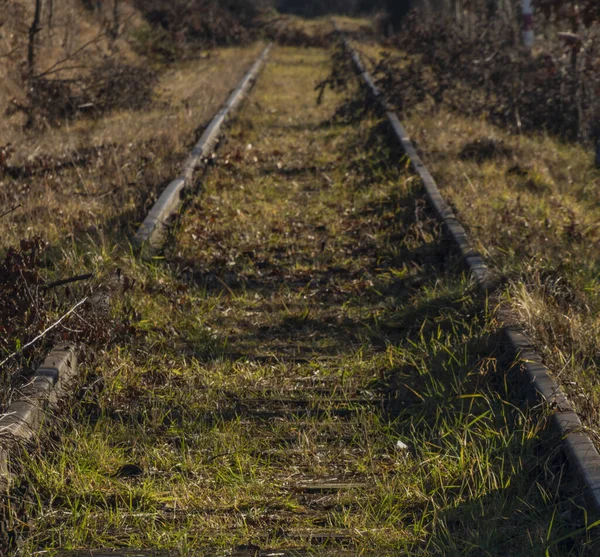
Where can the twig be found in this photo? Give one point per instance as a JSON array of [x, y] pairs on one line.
[[62, 282], [10, 211], [44, 332], [62, 69], [57, 66], [10, 52], [71, 56]]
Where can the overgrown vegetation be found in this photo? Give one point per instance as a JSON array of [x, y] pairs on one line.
[[472, 62], [86, 192], [110, 86], [23, 313], [531, 205], [37, 314], [90, 58], [178, 29], [76, 181], [308, 368], [529, 199], [305, 364]]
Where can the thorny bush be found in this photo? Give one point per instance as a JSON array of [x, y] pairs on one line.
[[483, 71]]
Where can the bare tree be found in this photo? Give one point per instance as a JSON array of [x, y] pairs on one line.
[[33, 33], [116, 22]]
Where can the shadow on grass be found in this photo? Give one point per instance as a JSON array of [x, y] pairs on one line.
[[389, 290], [402, 293]]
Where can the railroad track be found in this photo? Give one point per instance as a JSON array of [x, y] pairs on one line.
[[342, 400], [578, 445], [35, 400]]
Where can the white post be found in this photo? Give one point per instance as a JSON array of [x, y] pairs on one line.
[[527, 11]]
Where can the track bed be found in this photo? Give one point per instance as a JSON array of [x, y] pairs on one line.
[[309, 371]]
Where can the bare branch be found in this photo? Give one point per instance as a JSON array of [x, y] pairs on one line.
[[71, 56], [44, 332], [10, 211], [62, 282], [56, 67], [10, 52], [61, 69]]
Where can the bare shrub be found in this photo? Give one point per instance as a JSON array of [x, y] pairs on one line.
[[476, 66], [176, 29], [115, 85], [49, 101], [110, 86]]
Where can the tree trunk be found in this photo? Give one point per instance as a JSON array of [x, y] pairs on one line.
[[50, 13], [116, 21], [492, 9], [33, 32]]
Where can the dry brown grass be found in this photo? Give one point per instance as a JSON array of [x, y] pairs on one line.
[[70, 29], [102, 175], [531, 204]]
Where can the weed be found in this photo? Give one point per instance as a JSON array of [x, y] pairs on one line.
[[304, 366]]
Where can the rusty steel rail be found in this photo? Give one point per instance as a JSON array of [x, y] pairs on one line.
[[151, 230], [577, 444]]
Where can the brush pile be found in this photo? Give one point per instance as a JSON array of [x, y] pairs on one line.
[[110, 86]]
